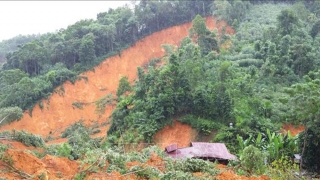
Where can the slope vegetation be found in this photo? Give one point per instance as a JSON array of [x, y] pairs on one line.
[[58, 112]]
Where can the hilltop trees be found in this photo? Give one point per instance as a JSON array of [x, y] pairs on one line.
[[86, 49], [13, 44], [233, 12], [84, 44], [29, 58]]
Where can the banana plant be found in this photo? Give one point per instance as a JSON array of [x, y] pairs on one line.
[[259, 142], [279, 145], [243, 143], [276, 145]]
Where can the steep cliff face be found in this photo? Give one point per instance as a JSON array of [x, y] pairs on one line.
[[58, 112]]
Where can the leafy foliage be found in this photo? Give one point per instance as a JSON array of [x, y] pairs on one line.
[[252, 160], [284, 168], [306, 95], [24, 137], [102, 102], [10, 114], [117, 160], [204, 126], [193, 165], [124, 86], [3, 148], [79, 141]]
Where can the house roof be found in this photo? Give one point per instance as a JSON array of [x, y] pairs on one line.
[[201, 150], [172, 147]]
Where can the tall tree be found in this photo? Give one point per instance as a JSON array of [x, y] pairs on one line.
[[305, 104], [86, 51], [287, 21]]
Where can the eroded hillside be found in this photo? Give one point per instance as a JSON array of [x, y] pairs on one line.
[[58, 111]]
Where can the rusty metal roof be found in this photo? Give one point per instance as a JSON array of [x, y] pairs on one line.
[[202, 150]]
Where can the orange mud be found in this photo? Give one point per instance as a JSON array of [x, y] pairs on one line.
[[102, 133], [58, 112], [294, 130], [154, 161], [231, 175], [60, 166], [227, 174], [49, 166], [179, 133], [25, 162], [108, 176]]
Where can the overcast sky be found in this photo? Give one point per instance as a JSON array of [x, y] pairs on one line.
[[33, 17]]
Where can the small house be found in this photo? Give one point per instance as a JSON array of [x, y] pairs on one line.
[[201, 150]]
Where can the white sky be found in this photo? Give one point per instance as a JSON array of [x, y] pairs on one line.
[[33, 17]]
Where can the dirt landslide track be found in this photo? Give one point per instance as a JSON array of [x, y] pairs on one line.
[[58, 112]]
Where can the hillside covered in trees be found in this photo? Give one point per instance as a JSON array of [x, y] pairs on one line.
[[237, 86]]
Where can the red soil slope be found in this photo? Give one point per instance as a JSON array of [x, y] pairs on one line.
[[294, 130], [58, 112], [48, 167], [179, 133]]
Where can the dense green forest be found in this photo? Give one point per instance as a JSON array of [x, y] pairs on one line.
[[13, 44], [268, 76]]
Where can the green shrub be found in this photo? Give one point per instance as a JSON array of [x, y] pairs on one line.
[[227, 135], [124, 86], [252, 160], [283, 168], [146, 172], [102, 102], [72, 128], [204, 126], [79, 140], [117, 162], [64, 150], [191, 165], [10, 114], [178, 175], [80, 176], [5, 133], [78, 105], [28, 139], [3, 148]]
